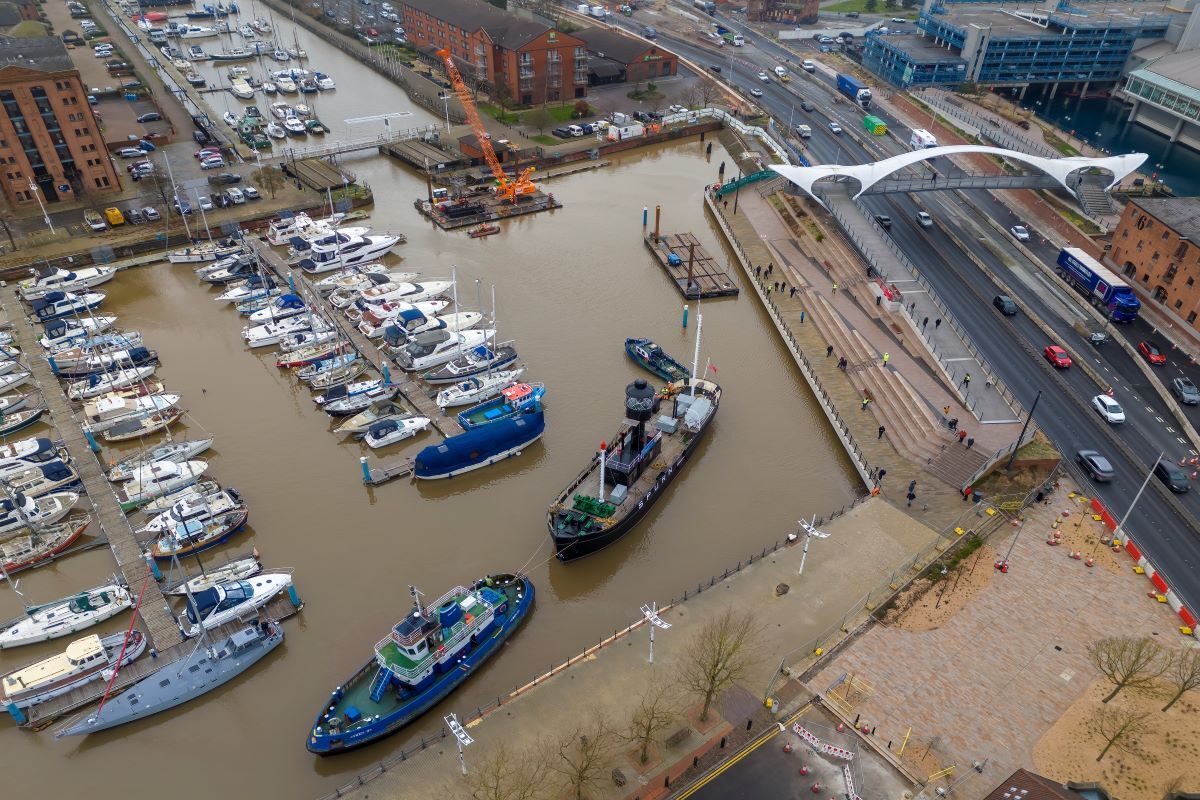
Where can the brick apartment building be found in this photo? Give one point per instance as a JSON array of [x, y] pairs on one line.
[[626, 59], [531, 61], [48, 133], [1156, 246]]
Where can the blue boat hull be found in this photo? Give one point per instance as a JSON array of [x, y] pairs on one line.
[[480, 447], [330, 744]]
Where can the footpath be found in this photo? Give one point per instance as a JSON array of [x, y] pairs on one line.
[[868, 552]]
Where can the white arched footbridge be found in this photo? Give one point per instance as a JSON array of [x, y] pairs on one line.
[[867, 175]]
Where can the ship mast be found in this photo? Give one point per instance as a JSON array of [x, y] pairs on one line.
[[416, 596], [696, 354]]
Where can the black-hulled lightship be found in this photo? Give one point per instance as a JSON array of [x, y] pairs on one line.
[[658, 435]]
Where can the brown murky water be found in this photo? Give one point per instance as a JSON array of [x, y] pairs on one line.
[[570, 286]]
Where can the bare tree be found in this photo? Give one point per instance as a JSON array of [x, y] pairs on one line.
[[1127, 662], [651, 718], [1183, 672], [582, 752], [1119, 727], [538, 118], [8, 232], [269, 178], [508, 775], [718, 655]]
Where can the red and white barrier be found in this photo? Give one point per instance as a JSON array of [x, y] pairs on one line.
[[807, 735], [837, 752], [1159, 582], [850, 793]]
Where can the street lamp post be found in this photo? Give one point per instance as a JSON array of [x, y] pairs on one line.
[[446, 102], [810, 530], [33, 187], [464, 739], [1120, 528], [650, 612]]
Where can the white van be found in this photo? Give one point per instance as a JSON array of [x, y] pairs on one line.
[[575, 130], [235, 195], [780, 72], [803, 131]]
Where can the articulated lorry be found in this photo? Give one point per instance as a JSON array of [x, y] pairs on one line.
[[855, 89], [1098, 284]]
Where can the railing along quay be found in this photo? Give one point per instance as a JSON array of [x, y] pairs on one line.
[[415, 393], [159, 624]]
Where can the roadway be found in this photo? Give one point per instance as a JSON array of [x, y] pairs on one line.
[[1164, 525]]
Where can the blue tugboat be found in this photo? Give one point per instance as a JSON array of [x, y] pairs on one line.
[[481, 446], [425, 657], [513, 400], [650, 356]]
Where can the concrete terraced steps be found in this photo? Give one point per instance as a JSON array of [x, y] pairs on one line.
[[955, 463], [911, 426]]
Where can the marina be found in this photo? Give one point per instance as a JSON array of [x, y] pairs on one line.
[[311, 511]]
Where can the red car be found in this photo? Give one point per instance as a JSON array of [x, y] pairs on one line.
[[1151, 353], [206, 152], [372, 32], [1057, 356]]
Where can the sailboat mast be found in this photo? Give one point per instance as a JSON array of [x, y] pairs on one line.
[[696, 354]]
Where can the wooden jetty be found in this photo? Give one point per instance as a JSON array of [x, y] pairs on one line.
[[37, 717], [690, 267], [390, 470], [314, 173], [421, 155], [416, 393], [107, 514]]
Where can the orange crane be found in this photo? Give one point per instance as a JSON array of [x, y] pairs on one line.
[[506, 189]]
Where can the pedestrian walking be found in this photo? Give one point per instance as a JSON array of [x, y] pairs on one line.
[[842, 363], [726, 205], [886, 358], [924, 322], [879, 479], [970, 442], [770, 267], [829, 351], [835, 287], [912, 485], [967, 494], [793, 292], [962, 435], [953, 423], [866, 402], [911, 496], [937, 323], [945, 411], [882, 431], [758, 271], [966, 381]]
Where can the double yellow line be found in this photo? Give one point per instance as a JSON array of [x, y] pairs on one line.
[[762, 739]]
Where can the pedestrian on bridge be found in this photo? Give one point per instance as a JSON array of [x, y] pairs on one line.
[[835, 287], [966, 381], [937, 323], [886, 358], [924, 323]]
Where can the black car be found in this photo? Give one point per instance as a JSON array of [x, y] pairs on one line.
[[1095, 465], [561, 133], [807, 106], [852, 14], [151, 116], [225, 179], [715, 68], [1005, 305], [134, 217], [1172, 476], [201, 137]]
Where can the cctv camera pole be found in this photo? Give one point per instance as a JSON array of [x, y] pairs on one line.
[[1136, 497], [1024, 428]]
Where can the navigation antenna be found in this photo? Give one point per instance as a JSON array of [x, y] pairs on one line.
[[650, 612], [416, 596]]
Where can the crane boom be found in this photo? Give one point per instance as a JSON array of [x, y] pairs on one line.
[[508, 189]]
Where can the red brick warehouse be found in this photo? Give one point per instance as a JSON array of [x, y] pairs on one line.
[[532, 62]]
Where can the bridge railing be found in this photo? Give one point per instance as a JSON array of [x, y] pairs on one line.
[[1002, 133], [350, 145], [900, 183]]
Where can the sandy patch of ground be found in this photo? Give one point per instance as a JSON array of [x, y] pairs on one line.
[[926, 604], [1079, 532], [1164, 757]]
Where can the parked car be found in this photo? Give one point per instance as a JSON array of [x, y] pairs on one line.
[[1056, 356], [206, 152], [1151, 352], [139, 166], [884, 220], [222, 200], [1108, 408], [236, 196], [205, 203], [1185, 391], [1171, 476], [130, 152], [251, 193], [134, 217], [924, 220], [561, 133], [1095, 465], [182, 206], [225, 179], [212, 162], [678, 109], [146, 146], [835, 128], [150, 116], [151, 214], [143, 171], [1020, 233], [1005, 305], [94, 221], [114, 216]]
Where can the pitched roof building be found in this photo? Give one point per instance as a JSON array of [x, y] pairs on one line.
[[1026, 785], [525, 59], [50, 141], [637, 60]]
